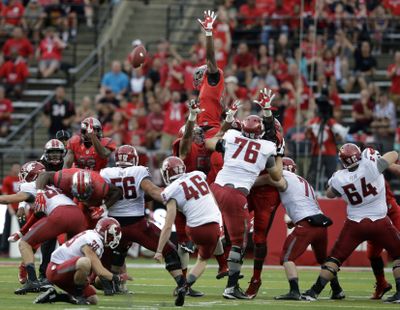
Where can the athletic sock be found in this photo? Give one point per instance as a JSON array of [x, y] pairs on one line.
[[335, 285], [319, 285], [397, 285], [260, 251], [30, 269], [191, 279], [294, 285], [377, 267], [180, 280]]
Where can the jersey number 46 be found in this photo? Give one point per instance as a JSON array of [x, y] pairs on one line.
[[199, 188]]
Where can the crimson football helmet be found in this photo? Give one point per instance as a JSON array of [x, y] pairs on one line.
[[197, 134], [110, 231], [172, 168], [126, 155], [82, 185], [289, 164], [95, 123], [30, 171], [54, 152], [350, 155], [252, 127], [198, 75]]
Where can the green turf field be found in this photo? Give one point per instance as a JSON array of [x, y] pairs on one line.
[[153, 287]]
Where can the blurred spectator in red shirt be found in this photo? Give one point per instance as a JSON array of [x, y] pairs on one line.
[[135, 135], [116, 128], [33, 19], [393, 6], [6, 109], [243, 63], [189, 67], [11, 16], [18, 44], [249, 19], [200, 48], [393, 73], [14, 73], [10, 186], [362, 113], [49, 53], [155, 124], [84, 110], [174, 118], [277, 22], [175, 80], [221, 53]]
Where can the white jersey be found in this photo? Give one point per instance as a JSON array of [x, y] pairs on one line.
[[128, 180], [30, 188], [298, 199], [73, 247], [193, 198], [244, 159], [363, 189]]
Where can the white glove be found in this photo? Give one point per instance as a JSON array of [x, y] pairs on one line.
[[230, 114], [207, 24]]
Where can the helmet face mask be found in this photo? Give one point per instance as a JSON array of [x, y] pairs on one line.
[[96, 127], [198, 135], [82, 187], [54, 152], [126, 156], [30, 171], [172, 168], [349, 155], [253, 127], [289, 164], [198, 75], [110, 231]]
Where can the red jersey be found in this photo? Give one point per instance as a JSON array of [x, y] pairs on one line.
[[22, 47], [5, 107], [13, 13], [87, 158], [216, 163], [210, 101], [198, 157], [14, 72], [63, 180], [395, 87], [11, 186], [50, 49], [174, 117]]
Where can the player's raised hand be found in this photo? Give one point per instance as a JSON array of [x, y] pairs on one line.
[[208, 22], [40, 201], [194, 109], [265, 98], [230, 114]]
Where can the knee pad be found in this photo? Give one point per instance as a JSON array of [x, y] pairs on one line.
[[331, 259], [235, 255], [172, 261], [330, 269], [118, 257]]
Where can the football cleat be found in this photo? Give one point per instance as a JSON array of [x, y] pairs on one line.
[[309, 295], [394, 298], [15, 237], [338, 295], [234, 292], [22, 275], [222, 273], [28, 287], [380, 290], [180, 296], [193, 293], [50, 296], [253, 288], [289, 296]]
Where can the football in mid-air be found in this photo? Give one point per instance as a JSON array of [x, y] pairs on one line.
[[138, 56]]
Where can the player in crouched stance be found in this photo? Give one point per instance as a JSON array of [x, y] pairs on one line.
[[189, 193], [362, 186], [73, 262], [310, 227]]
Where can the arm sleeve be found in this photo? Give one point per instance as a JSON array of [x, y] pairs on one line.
[[382, 165], [213, 78], [335, 192], [220, 146], [270, 162]]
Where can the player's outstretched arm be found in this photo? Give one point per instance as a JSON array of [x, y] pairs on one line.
[[390, 157], [97, 267], [186, 142], [101, 150], [151, 190], [45, 178], [395, 169], [14, 198], [274, 170], [114, 194], [207, 26], [166, 231], [68, 159]]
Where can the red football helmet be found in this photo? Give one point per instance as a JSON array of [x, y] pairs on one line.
[[126, 155], [289, 164], [197, 134], [172, 168], [95, 123], [350, 155], [110, 231], [252, 127], [30, 171], [198, 75], [82, 185], [54, 152]]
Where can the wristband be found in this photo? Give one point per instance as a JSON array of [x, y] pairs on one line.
[[229, 118], [209, 33], [192, 117], [267, 113]]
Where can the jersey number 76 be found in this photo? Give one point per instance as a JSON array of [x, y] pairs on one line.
[[251, 150]]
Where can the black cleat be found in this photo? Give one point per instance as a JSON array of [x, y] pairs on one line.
[[234, 292], [79, 300], [309, 295], [338, 295], [289, 296], [50, 296], [395, 299], [193, 293], [28, 287], [180, 296]]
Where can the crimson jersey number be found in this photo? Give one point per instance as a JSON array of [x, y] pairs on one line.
[[355, 197], [251, 149], [307, 188], [200, 188], [127, 185]]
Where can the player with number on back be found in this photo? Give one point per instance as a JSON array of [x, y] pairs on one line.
[[189, 194], [245, 156], [74, 261], [89, 150], [310, 227], [135, 181], [362, 185]]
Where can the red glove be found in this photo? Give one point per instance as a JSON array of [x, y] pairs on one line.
[[265, 98], [207, 24], [40, 201], [98, 212]]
